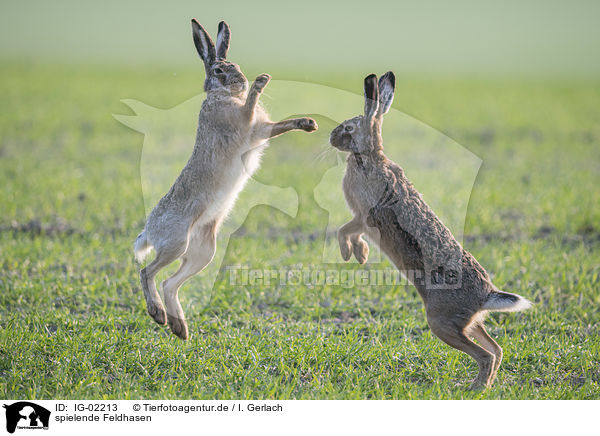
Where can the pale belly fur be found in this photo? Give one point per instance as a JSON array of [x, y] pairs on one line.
[[222, 201]]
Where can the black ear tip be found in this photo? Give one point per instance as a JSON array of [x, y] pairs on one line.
[[223, 24], [371, 84], [370, 78], [391, 77]]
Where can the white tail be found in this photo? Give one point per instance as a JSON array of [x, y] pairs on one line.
[[498, 301], [141, 248]]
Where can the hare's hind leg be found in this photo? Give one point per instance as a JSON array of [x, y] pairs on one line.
[[479, 333], [200, 251], [454, 335], [153, 304], [164, 256]]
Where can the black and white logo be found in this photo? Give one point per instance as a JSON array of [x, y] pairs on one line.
[[26, 415]]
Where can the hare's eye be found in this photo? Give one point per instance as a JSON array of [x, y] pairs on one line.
[[349, 128], [218, 71]]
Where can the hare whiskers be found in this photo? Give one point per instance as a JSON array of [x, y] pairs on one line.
[[324, 153]]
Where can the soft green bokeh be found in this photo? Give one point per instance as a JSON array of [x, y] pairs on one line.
[[72, 317], [310, 38]]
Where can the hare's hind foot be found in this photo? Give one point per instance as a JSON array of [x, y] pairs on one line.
[[155, 307], [452, 333], [157, 312], [478, 384], [484, 339], [179, 327]]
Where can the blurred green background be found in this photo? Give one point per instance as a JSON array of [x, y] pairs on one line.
[[510, 37], [515, 83]]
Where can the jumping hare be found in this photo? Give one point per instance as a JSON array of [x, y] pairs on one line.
[[456, 290], [233, 130]]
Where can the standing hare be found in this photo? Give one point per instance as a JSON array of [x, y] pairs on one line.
[[233, 130], [456, 290]]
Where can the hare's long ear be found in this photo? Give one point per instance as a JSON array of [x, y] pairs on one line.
[[204, 44], [371, 96], [387, 84], [223, 40]]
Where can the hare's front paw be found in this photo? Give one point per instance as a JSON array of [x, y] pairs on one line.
[[307, 124], [346, 249], [261, 81], [361, 250]]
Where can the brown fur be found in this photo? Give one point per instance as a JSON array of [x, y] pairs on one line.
[[387, 208]]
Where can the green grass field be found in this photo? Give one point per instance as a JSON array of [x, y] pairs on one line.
[[73, 322]]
